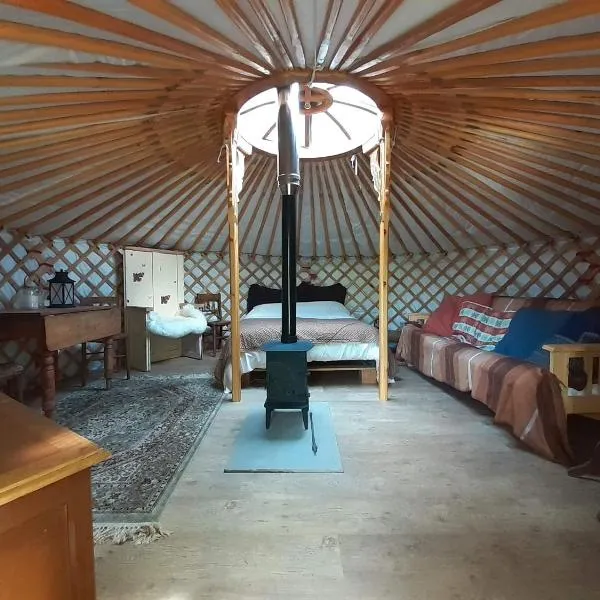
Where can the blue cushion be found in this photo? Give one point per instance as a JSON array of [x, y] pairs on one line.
[[587, 321], [529, 329], [582, 327], [541, 357]]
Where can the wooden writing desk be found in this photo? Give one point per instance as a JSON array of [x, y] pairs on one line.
[[58, 328], [46, 537]]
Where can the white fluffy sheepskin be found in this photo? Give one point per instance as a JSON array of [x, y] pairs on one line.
[[187, 320]]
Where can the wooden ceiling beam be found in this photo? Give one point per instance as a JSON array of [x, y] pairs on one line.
[[84, 120], [354, 194], [31, 217], [351, 33], [268, 23], [489, 102], [332, 15], [588, 42], [318, 193], [463, 181], [328, 194], [260, 187], [516, 71], [83, 98], [128, 196], [356, 48], [552, 15], [364, 167], [54, 38], [515, 170], [88, 17], [158, 218], [579, 96], [171, 75], [237, 16], [455, 13], [95, 152], [455, 193], [50, 139], [74, 158], [208, 200], [547, 136], [503, 138], [327, 166], [400, 198], [313, 219], [74, 82], [92, 109], [554, 120], [90, 175], [291, 22], [430, 214], [506, 178], [174, 15], [437, 197], [264, 200], [127, 210], [38, 157]]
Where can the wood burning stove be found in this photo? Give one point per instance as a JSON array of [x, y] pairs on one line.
[[287, 379], [287, 375]]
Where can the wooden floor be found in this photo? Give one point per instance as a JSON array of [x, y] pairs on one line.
[[435, 503]]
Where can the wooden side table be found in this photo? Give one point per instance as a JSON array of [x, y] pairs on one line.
[[218, 330], [46, 539]]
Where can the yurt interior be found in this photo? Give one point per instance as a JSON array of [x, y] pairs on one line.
[[299, 298]]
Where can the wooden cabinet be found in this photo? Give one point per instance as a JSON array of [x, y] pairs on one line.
[[154, 280], [46, 539]]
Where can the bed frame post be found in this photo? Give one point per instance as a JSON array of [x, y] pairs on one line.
[[234, 257], [385, 155]]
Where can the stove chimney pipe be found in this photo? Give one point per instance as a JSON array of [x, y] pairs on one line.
[[288, 179]]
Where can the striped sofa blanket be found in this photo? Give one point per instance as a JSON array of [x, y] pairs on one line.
[[523, 396]]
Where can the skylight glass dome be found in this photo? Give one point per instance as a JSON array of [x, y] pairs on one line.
[[333, 119]]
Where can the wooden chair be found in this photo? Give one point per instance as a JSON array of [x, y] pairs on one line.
[[121, 350], [219, 328], [11, 375]]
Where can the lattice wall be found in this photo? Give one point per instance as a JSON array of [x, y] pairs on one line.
[[417, 283], [96, 269]]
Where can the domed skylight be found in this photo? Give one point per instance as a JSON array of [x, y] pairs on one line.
[[333, 119]]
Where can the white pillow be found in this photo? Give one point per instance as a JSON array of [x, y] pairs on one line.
[[304, 310]]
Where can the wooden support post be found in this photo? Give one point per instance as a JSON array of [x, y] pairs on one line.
[[234, 257], [385, 157]]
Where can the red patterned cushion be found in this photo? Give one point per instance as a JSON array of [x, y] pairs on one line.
[[481, 326], [443, 317]]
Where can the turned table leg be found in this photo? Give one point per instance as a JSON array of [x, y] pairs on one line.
[[108, 361], [48, 384]]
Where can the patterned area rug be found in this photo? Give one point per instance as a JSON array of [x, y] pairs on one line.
[[151, 424]]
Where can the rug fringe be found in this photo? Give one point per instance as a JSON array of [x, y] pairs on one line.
[[120, 533]]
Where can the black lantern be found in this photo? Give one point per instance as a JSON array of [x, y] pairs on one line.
[[62, 290]]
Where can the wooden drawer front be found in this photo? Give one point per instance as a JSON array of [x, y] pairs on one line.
[[67, 329], [46, 548]]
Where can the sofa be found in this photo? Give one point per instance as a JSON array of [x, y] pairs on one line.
[[532, 400]]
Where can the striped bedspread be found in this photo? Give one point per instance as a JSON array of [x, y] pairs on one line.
[[523, 396]]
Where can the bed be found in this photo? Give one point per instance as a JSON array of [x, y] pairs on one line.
[[339, 338]]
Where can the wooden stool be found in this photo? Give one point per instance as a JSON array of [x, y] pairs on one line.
[[12, 374]]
